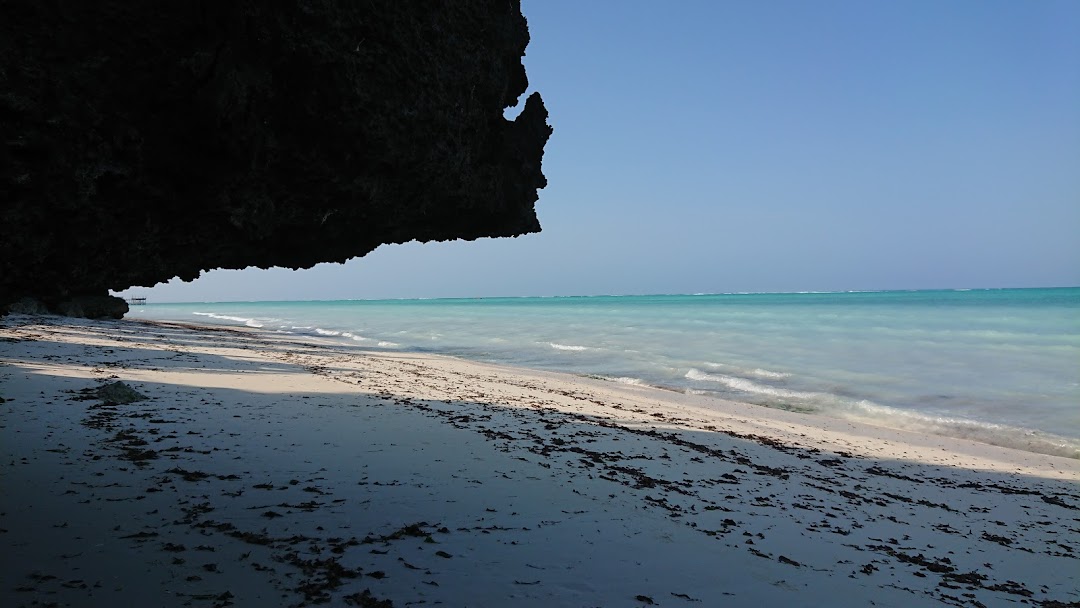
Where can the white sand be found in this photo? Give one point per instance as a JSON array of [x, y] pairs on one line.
[[264, 470]]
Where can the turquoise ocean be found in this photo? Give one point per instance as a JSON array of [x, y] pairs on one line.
[[1000, 366]]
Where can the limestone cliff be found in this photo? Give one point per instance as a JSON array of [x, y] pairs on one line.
[[147, 140]]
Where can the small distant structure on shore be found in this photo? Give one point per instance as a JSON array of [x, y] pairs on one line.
[[136, 301]]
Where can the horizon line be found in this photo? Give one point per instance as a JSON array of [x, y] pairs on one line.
[[624, 295]]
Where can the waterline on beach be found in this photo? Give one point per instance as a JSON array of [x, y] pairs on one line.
[[992, 365]]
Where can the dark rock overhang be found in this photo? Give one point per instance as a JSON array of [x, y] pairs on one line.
[[148, 140]]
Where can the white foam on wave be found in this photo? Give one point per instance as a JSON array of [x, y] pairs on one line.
[[629, 380], [869, 412], [757, 372], [355, 337], [764, 373], [244, 320], [984, 432], [571, 347], [747, 386]]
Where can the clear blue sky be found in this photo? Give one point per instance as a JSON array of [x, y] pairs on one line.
[[769, 146]]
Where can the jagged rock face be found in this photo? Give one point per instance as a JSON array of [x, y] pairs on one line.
[[147, 140]]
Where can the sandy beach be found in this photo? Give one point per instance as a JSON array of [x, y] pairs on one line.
[[264, 470]]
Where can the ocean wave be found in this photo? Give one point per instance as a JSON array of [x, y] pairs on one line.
[[326, 332], [757, 372], [386, 344], [1001, 435], [629, 380], [869, 412], [558, 346], [244, 320], [747, 386], [764, 373]]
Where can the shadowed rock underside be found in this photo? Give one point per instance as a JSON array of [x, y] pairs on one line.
[[146, 141]]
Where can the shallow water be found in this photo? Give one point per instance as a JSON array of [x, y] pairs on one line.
[[1000, 366]]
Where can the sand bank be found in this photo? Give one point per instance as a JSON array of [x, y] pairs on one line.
[[264, 470]]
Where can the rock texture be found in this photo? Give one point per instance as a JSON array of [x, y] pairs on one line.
[[144, 141]]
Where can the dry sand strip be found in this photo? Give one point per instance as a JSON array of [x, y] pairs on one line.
[[264, 470]]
